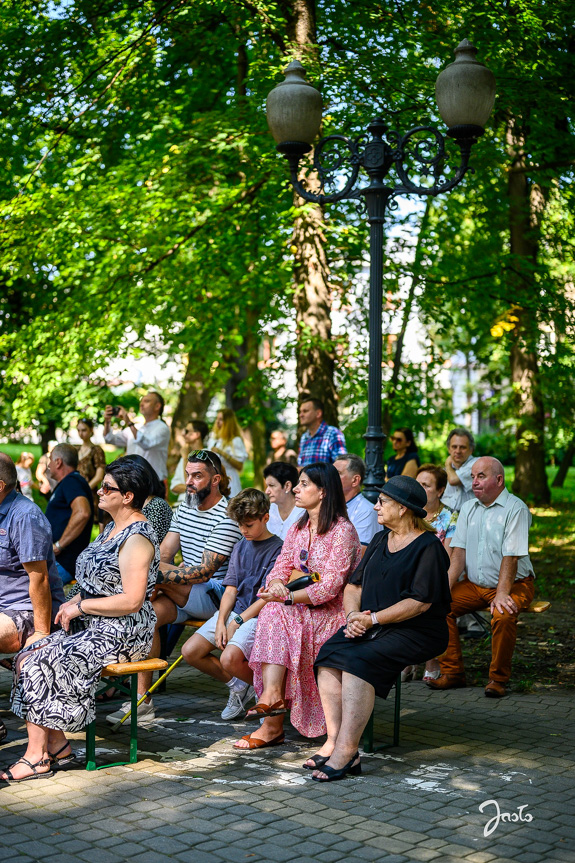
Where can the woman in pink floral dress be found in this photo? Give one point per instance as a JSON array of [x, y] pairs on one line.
[[293, 625]]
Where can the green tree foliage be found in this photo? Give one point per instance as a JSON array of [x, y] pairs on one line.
[[139, 187]]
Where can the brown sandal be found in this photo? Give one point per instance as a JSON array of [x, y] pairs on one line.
[[261, 711], [257, 743]]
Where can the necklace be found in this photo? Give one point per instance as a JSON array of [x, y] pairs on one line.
[[399, 543]]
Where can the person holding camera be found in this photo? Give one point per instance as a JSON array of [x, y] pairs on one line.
[[150, 441]]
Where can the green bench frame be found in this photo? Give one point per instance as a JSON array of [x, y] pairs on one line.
[[367, 742]]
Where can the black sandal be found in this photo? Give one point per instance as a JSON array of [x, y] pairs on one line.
[[334, 774], [56, 762], [34, 774], [111, 694], [318, 760]]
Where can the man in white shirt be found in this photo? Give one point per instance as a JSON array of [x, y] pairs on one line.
[[150, 441], [360, 511], [491, 543], [458, 464]]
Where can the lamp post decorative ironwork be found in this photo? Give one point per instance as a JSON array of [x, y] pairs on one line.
[[465, 93]]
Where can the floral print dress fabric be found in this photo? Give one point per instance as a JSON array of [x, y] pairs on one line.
[[56, 686], [292, 635]]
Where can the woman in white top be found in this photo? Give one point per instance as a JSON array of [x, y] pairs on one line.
[[280, 481], [226, 441], [23, 466]]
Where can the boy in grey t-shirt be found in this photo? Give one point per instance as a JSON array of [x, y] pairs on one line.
[[232, 629]]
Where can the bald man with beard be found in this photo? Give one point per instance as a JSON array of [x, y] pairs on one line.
[[491, 544]]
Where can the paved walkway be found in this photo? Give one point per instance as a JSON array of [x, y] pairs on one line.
[[193, 799]]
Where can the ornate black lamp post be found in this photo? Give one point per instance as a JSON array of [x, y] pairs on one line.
[[465, 92]]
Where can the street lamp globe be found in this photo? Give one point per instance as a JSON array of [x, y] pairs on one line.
[[465, 93], [294, 110]]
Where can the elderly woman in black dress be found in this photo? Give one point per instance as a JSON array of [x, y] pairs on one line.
[[55, 679], [396, 604]]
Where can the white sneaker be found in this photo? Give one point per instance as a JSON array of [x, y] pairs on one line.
[[146, 713], [237, 703]]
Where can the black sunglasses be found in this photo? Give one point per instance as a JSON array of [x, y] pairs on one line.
[[105, 488], [203, 455], [303, 556]]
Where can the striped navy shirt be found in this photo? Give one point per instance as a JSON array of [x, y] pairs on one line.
[[205, 530]]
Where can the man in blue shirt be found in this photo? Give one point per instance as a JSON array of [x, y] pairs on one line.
[[319, 442], [70, 510], [30, 587]]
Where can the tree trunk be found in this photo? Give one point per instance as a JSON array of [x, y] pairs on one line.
[[48, 434], [193, 401], [526, 203], [244, 392], [315, 351], [566, 463]]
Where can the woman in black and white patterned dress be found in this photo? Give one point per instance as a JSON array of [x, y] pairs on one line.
[[55, 679]]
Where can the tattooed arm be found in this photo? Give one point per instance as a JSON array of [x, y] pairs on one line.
[[211, 562]]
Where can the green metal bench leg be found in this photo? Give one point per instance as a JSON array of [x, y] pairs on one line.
[[368, 746], [397, 711], [91, 728], [134, 720], [368, 735], [91, 746]]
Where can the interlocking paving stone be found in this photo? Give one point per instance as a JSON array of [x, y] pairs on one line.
[[192, 799]]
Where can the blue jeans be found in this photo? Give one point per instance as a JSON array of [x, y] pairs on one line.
[[64, 574]]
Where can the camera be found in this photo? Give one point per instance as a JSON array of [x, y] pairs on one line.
[[116, 410]]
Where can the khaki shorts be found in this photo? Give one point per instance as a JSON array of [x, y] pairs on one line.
[[244, 637]]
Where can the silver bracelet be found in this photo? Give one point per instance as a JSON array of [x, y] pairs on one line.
[[374, 619]]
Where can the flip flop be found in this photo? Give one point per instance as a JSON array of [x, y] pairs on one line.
[[256, 743], [261, 710], [33, 775], [56, 762]]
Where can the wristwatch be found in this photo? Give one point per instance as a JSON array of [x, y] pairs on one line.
[[238, 619], [58, 546], [289, 599]]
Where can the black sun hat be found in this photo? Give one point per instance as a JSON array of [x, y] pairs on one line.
[[408, 492]]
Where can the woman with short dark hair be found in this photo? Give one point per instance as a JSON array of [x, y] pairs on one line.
[[156, 508], [55, 679], [280, 480], [293, 625]]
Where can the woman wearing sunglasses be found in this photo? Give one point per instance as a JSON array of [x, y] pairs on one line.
[[396, 604], [56, 678], [293, 625]]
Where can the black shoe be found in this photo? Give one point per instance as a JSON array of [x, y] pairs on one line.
[[333, 775], [318, 760]]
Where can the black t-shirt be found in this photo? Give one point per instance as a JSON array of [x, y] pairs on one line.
[[418, 571], [58, 513]]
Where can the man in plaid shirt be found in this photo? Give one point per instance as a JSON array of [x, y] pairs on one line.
[[319, 442]]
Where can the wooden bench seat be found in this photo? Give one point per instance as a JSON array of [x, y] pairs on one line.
[[122, 669]]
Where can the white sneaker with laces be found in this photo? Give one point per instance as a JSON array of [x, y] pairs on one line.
[[237, 703], [146, 713]]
